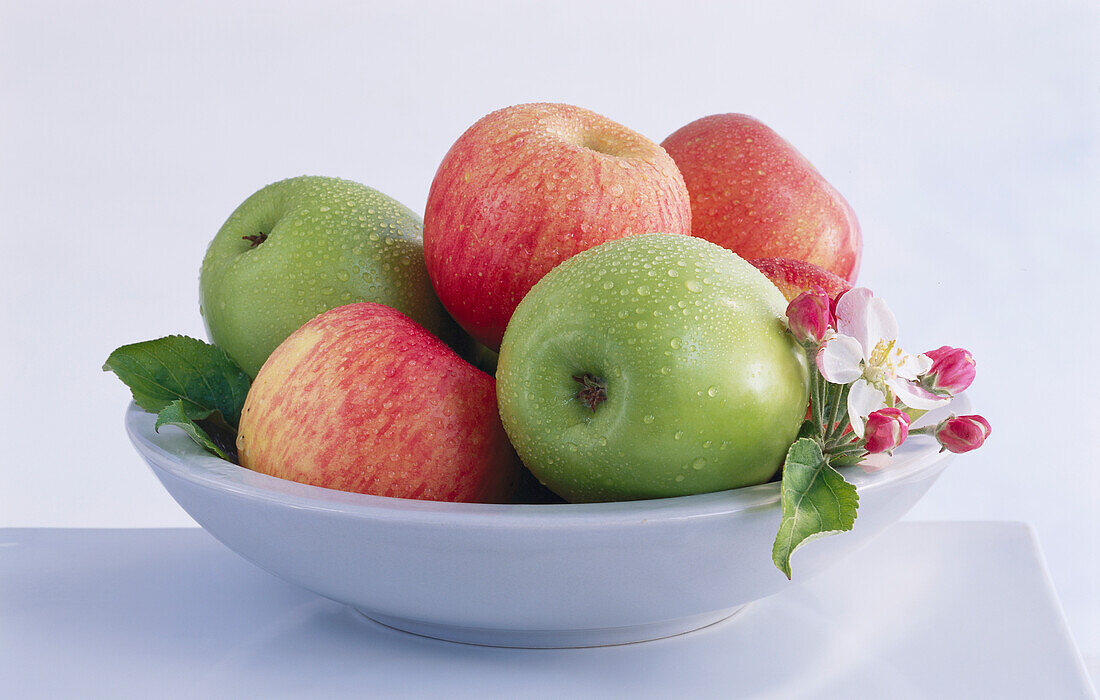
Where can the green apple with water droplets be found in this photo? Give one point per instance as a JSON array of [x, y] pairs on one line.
[[652, 366], [305, 245]]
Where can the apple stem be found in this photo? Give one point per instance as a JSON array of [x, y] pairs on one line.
[[256, 239], [817, 398], [593, 391], [838, 399]]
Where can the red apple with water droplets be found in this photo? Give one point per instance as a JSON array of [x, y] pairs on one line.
[[363, 399], [796, 276], [753, 193], [529, 186]]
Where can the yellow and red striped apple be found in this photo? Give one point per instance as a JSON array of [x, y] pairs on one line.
[[363, 399], [753, 193], [529, 186], [793, 277]]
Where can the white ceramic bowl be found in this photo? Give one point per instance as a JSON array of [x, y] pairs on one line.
[[558, 575]]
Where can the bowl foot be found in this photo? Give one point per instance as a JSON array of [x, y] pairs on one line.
[[553, 639]]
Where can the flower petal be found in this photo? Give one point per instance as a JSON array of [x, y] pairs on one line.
[[851, 308], [862, 400], [912, 366], [839, 360], [865, 318], [881, 323], [876, 462], [915, 396]]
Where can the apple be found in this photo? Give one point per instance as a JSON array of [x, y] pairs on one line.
[[305, 245], [363, 399], [793, 277], [753, 193], [651, 366], [529, 186]]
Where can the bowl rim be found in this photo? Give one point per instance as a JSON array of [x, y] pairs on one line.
[[174, 453]]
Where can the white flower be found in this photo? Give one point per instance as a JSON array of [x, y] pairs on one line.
[[864, 350]]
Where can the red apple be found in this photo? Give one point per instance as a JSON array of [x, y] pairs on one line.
[[529, 186], [363, 399], [753, 193], [796, 276]]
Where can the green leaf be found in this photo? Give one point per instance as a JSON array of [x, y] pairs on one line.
[[808, 430], [201, 376], [174, 414], [816, 501]]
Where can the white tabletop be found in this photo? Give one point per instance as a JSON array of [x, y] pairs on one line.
[[927, 610]]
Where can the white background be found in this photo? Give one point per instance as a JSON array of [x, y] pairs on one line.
[[967, 138]]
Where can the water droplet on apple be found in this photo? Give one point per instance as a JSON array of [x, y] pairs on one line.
[[699, 463], [643, 291], [679, 434], [712, 391], [679, 477], [647, 419], [675, 343], [692, 286]]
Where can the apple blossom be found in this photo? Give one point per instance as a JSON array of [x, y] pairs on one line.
[[810, 315], [960, 434], [951, 373], [886, 429], [864, 392], [864, 353]]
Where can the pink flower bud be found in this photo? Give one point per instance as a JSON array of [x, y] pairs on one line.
[[960, 434], [886, 429], [809, 315], [952, 371]]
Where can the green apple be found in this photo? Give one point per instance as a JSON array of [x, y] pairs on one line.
[[302, 246], [651, 366]]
